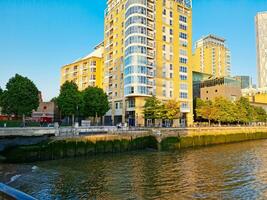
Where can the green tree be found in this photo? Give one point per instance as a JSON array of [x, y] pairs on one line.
[[225, 110], [95, 102], [261, 115], [206, 110], [245, 111], [69, 100], [21, 97], [153, 109], [1, 95], [172, 110]]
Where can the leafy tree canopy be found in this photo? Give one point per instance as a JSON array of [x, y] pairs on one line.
[[172, 110], [69, 99], [95, 102], [153, 108], [20, 97]]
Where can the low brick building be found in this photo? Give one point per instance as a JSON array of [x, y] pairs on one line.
[[227, 87]]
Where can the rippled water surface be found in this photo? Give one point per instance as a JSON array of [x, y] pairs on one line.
[[232, 171]]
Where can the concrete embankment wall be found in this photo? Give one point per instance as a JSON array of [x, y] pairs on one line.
[[158, 139], [196, 137]]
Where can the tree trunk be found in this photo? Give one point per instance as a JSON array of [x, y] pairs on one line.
[[73, 118], [96, 119], [209, 122], [23, 120]]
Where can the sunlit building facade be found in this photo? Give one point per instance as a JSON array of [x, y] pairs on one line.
[[148, 51], [261, 38], [211, 56], [86, 71]]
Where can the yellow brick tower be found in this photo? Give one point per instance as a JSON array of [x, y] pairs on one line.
[[86, 71], [147, 52], [212, 57]]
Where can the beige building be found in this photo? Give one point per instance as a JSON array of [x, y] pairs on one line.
[[227, 87], [86, 71], [148, 51], [261, 38], [211, 56]]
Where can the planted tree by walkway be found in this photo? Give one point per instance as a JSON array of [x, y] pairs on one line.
[[206, 110], [69, 100], [95, 102], [172, 110], [20, 98], [225, 111], [153, 109]]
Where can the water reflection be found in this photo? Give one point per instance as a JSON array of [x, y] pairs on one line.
[[234, 171]]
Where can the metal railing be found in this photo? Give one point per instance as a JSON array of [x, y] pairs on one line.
[[9, 193]]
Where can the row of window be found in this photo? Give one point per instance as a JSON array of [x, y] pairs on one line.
[[134, 10], [140, 90], [136, 19], [135, 29], [135, 60], [135, 49], [130, 2], [136, 69], [137, 79], [136, 39]]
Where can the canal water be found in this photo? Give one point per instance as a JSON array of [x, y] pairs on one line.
[[231, 171]]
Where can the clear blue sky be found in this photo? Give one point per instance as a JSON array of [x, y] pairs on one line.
[[37, 37]]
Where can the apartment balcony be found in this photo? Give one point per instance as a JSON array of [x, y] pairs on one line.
[[150, 74], [150, 17], [150, 34], [150, 83], [150, 6], [150, 54], [150, 26]]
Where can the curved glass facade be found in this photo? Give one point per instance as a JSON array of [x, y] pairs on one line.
[[136, 64]]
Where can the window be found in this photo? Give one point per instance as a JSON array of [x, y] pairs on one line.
[[183, 27], [183, 35], [164, 38], [164, 12], [171, 32], [183, 95], [182, 18], [131, 103], [171, 68], [183, 86], [164, 93], [183, 60], [170, 13], [183, 77], [183, 69], [170, 22], [170, 75]]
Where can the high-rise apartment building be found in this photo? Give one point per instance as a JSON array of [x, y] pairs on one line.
[[212, 57], [261, 38], [86, 71], [148, 49]]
